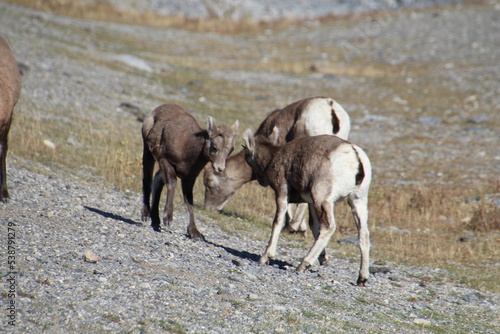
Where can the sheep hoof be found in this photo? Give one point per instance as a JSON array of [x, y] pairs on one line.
[[195, 234], [145, 213], [323, 260], [362, 281], [302, 267]]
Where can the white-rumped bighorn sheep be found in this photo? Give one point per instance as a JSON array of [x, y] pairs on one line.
[[10, 89], [308, 117], [173, 138], [319, 170]]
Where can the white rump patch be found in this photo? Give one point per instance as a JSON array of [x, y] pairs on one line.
[[317, 118], [345, 166]]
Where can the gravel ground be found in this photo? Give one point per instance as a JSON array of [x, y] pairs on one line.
[[148, 282]]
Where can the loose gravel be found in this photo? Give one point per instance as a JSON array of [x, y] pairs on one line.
[[149, 282]]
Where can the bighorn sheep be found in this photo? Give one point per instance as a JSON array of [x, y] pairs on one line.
[[10, 89], [321, 171], [308, 117], [173, 138]]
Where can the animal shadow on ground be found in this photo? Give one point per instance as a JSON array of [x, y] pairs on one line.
[[241, 254], [112, 216], [250, 256]]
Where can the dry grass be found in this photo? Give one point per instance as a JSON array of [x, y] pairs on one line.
[[80, 147], [425, 224]]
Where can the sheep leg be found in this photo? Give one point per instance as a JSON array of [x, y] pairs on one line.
[[359, 208], [168, 173], [314, 226], [278, 223], [148, 163], [4, 192], [296, 221], [158, 184], [324, 215], [187, 191]]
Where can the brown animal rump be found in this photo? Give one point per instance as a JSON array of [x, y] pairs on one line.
[[10, 89]]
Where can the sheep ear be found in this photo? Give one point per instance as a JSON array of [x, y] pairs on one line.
[[211, 126], [234, 127], [274, 136], [249, 140]]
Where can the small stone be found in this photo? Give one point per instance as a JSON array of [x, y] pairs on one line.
[[236, 263], [129, 107], [351, 241], [399, 231], [280, 308], [379, 270], [471, 298], [73, 142], [478, 119], [134, 62], [467, 239], [253, 296], [422, 322], [91, 257], [23, 68], [145, 286], [430, 120], [49, 143]]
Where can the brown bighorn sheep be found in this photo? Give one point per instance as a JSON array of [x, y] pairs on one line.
[[10, 89], [308, 117], [321, 171], [173, 138]]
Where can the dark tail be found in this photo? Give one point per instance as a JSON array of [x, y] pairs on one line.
[[335, 119], [360, 176]]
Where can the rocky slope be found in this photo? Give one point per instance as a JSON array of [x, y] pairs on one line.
[[146, 282], [149, 282]]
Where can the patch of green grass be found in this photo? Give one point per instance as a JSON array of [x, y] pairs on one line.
[[112, 317], [172, 326], [329, 303], [313, 315], [362, 300]]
